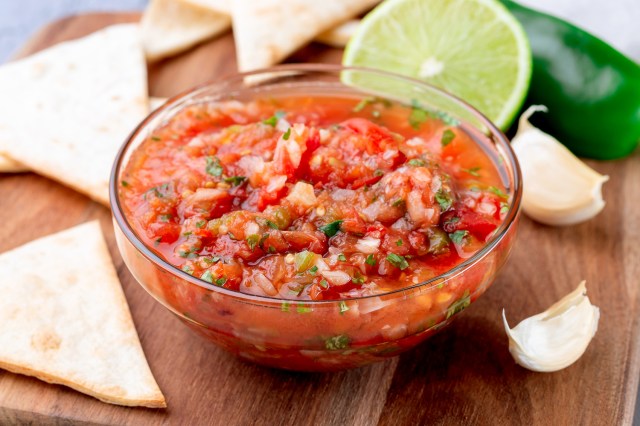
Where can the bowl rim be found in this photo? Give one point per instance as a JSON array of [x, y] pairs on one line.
[[494, 133]]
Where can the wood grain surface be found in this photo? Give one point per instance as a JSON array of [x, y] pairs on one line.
[[464, 375]]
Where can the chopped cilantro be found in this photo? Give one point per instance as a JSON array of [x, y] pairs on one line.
[[418, 115], [165, 217], [273, 120], [212, 259], [340, 341], [313, 270], [458, 236], [272, 225], [343, 307], [213, 166], [459, 305], [399, 242], [498, 192], [186, 234], [447, 137], [125, 183], [235, 180], [444, 199], [504, 207], [188, 269], [207, 276], [201, 223], [342, 257], [272, 249], [252, 241], [155, 138], [378, 173], [370, 260], [358, 279], [221, 281], [287, 134], [362, 104], [284, 307], [332, 228], [324, 284], [398, 203], [188, 254], [398, 261], [416, 162], [303, 309], [473, 171]]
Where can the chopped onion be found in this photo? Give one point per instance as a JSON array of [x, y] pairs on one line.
[[283, 125], [302, 194], [336, 277], [368, 245], [264, 283], [389, 154], [416, 142], [343, 194], [276, 183], [251, 228]]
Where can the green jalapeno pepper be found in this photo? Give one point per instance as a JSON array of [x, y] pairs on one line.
[[592, 90]]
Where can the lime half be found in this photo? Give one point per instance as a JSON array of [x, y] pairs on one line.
[[474, 49]]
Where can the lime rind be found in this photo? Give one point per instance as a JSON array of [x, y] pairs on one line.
[[474, 49]]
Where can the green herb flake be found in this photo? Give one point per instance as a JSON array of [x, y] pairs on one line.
[[338, 342], [362, 104], [165, 218], [221, 281], [459, 305], [125, 184], [418, 115], [313, 270], [504, 207], [458, 237], [272, 225], [187, 268], [235, 180], [324, 284], [342, 257], [343, 307], [186, 234], [303, 309], [370, 260], [207, 276], [332, 228], [273, 120], [473, 171], [156, 138], [213, 166], [200, 224], [416, 162], [444, 199], [187, 254], [287, 134], [272, 249], [399, 243], [284, 307], [252, 241], [398, 261], [398, 203], [447, 137], [498, 192], [378, 173]]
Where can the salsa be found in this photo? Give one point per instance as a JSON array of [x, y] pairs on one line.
[[312, 197]]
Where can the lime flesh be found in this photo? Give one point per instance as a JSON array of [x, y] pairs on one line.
[[474, 49]]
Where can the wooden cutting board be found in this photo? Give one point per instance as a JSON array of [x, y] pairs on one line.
[[464, 375]]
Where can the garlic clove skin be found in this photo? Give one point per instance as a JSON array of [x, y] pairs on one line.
[[557, 337], [558, 188]]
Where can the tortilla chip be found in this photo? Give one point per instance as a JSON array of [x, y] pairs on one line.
[[339, 36], [220, 6], [171, 26], [64, 319], [65, 111], [7, 165], [267, 31]]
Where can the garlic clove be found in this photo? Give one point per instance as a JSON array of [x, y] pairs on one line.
[[557, 337], [558, 188]]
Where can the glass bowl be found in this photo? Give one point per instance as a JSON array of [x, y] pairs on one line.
[[321, 335]]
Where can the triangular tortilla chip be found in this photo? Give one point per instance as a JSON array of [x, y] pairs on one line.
[[171, 26], [7, 165], [267, 31], [220, 6], [64, 319], [65, 111]]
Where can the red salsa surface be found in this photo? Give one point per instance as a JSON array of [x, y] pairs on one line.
[[312, 197]]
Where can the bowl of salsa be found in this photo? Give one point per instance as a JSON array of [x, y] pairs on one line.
[[316, 217]]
